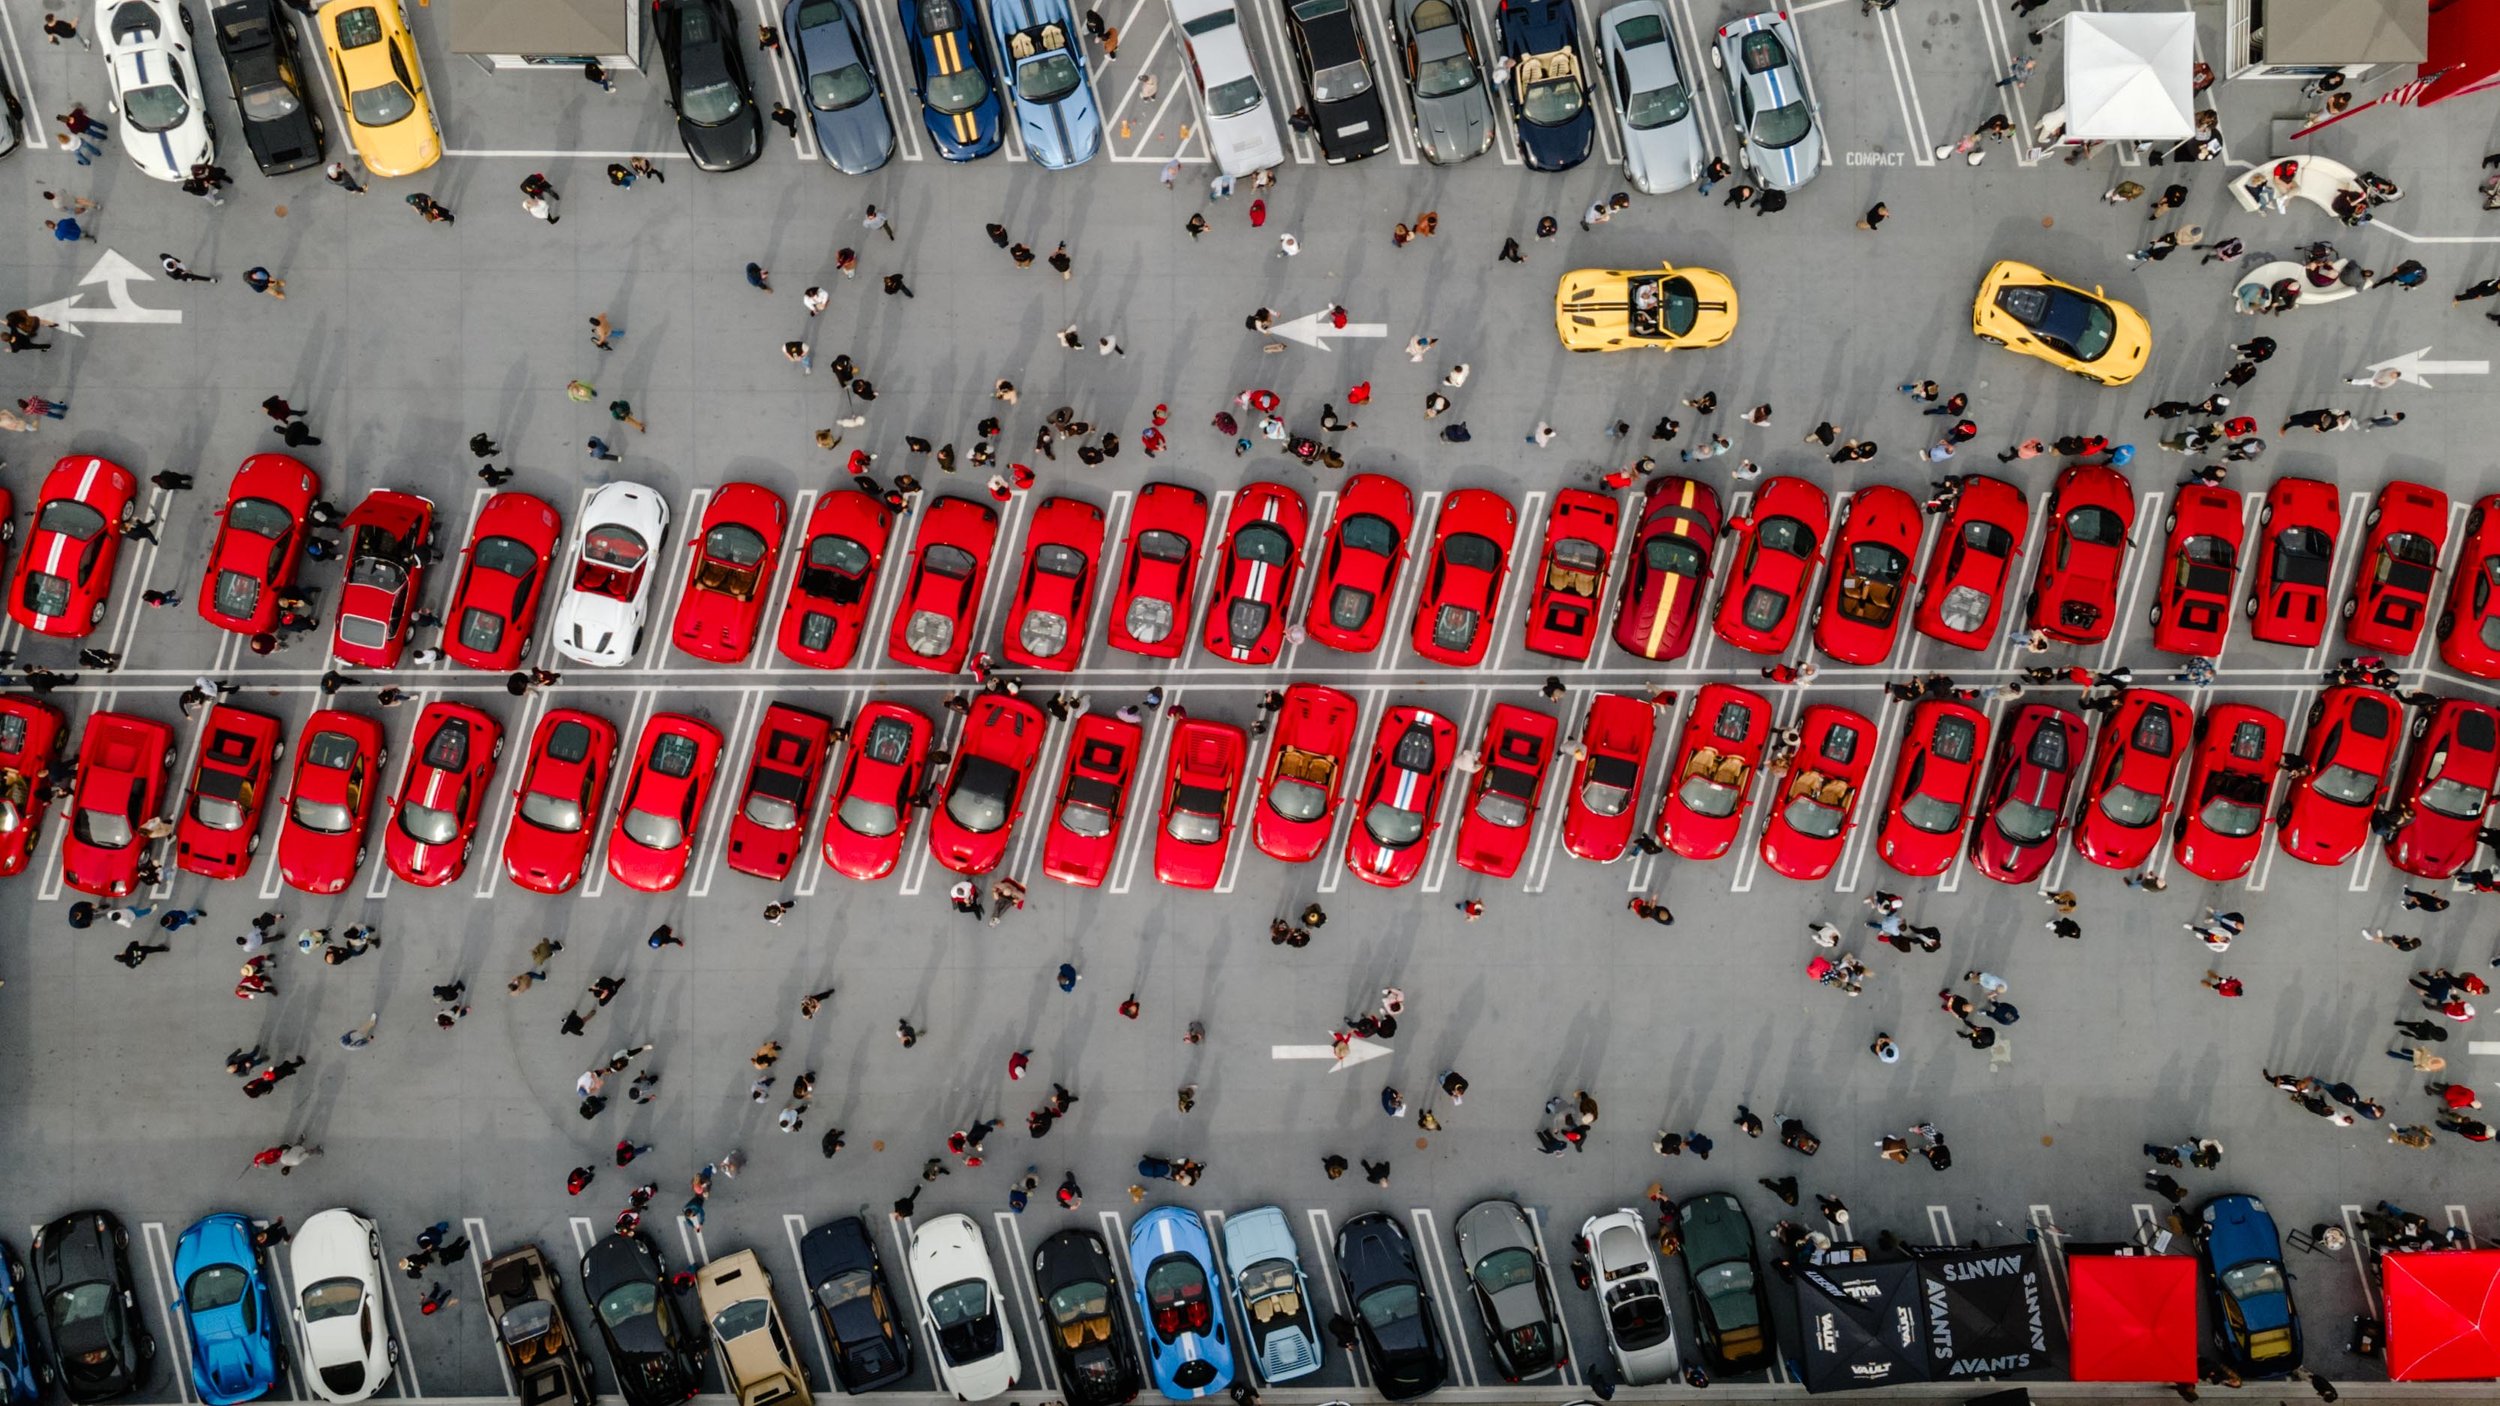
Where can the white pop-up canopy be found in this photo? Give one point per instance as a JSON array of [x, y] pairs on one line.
[[2127, 76]]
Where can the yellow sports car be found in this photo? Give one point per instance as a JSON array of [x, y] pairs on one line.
[[375, 58], [1666, 307], [2091, 334]]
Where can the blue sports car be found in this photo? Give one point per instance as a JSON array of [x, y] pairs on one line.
[[1181, 1303], [1549, 93], [2253, 1312], [23, 1372], [828, 40], [225, 1304], [1045, 63], [950, 70]]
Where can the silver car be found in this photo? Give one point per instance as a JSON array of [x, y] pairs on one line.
[[1662, 148], [1506, 1277], [1444, 80], [1776, 127], [1639, 1328]]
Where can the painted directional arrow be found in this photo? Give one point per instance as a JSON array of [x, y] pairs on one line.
[[1313, 329], [1356, 1052], [117, 274], [2411, 367]]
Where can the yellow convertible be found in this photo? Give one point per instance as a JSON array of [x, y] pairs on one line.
[[2091, 334], [1666, 307]]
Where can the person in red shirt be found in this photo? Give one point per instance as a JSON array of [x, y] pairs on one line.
[[2222, 985]]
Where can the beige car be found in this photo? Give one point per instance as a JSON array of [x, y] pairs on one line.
[[755, 1355]]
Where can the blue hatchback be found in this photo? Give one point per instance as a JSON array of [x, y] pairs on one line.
[[2253, 1312], [950, 70], [225, 1307], [1045, 65], [23, 1374], [1188, 1347]]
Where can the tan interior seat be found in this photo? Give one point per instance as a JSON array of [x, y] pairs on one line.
[[1731, 771], [1704, 762]]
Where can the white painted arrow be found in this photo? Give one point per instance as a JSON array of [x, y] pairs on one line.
[[2411, 367], [117, 274], [1356, 1052], [1313, 329]]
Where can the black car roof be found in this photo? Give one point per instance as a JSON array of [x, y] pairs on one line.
[[1329, 32]]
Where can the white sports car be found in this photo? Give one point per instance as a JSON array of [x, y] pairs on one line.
[[156, 86], [336, 1261], [600, 620], [959, 1309]]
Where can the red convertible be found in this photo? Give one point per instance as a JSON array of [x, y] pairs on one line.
[[1305, 773], [1835, 749], [1570, 591], [1358, 564], [1869, 584], [260, 531], [827, 612], [30, 745], [731, 573], [1718, 755]]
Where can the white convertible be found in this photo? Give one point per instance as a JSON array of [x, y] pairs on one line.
[[336, 1261], [959, 1309], [600, 620], [156, 86]]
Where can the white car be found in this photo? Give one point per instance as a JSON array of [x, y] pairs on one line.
[[1240, 122], [616, 548], [1633, 1298], [156, 86], [976, 1353], [336, 1261]]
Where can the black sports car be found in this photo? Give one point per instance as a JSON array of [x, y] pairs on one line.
[[846, 1284], [656, 1351], [1393, 1314], [280, 121], [1346, 112], [708, 87], [101, 1348], [1080, 1293]]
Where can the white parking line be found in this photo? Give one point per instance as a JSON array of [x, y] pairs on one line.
[[1097, 600], [1326, 1234], [2355, 1237], [1571, 1353], [2052, 1242], [481, 1250], [1151, 759], [160, 1258], [1517, 585], [1693, 41], [1757, 817], [1323, 521], [1029, 1306], [1436, 866], [1397, 105], [1905, 89], [803, 133], [629, 747], [793, 1228], [1540, 866], [2148, 522], [1889, 729], [1278, 82], [768, 653], [810, 868], [1505, 131], [1340, 831], [1400, 620], [22, 80], [1592, 60], [918, 849], [287, 1309], [662, 639], [901, 109], [2348, 539], [1436, 1266], [728, 780]]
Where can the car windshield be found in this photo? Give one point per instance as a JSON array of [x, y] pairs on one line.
[[978, 799], [1386, 1307], [1089, 807], [427, 825], [1234, 98], [614, 545], [1500, 808], [553, 811], [158, 107], [1392, 825], [1712, 797], [836, 89], [69, 518], [525, 1323], [1197, 815], [1441, 77], [1785, 126], [1297, 800], [771, 811], [2460, 800], [221, 800], [2127, 806], [1346, 80], [967, 1329], [1505, 1269], [628, 1303], [2247, 1281], [1084, 1301], [267, 102], [1672, 555], [2230, 817], [2348, 785], [382, 104], [332, 1298], [1048, 78], [1608, 790], [1808, 816], [957, 92], [260, 517], [1177, 1298], [214, 1287], [741, 1318], [2080, 326], [868, 816], [2026, 823], [833, 566], [1553, 102], [2095, 526]]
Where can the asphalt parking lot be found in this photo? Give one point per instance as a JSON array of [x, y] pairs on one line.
[[401, 339]]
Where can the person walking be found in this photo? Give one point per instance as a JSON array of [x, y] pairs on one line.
[[262, 281]]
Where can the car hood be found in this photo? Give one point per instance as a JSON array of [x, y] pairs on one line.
[[1456, 127], [858, 139], [1665, 159], [596, 628], [229, 1365], [730, 145]]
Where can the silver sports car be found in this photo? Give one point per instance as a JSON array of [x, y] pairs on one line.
[[1662, 147], [1445, 80], [1775, 120]]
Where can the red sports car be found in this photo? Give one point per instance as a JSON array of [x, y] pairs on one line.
[[1499, 811], [260, 531], [502, 576], [2399, 570], [122, 763], [1463, 577], [950, 558], [329, 801], [30, 745], [1055, 594], [1358, 565], [2446, 787], [1606, 780], [1933, 784], [219, 831], [390, 542], [2030, 782], [2469, 629], [2135, 762], [2347, 757], [2222, 819], [1721, 749], [556, 806], [2074, 594], [1401, 796], [827, 612], [659, 814], [1971, 566], [1570, 591], [1159, 571], [882, 768], [65, 573], [1778, 545], [2287, 604], [1084, 832], [1670, 567], [1810, 822], [1859, 614], [1254, 582], [1305, 773], [451, 756], [2192, 610], [780, 792], [1002, 739], [731, 574], [1202, 768]]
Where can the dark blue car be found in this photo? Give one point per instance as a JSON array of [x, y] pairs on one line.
[[1549, 91], [952, 76], [23, 1372], [2253, 1313]]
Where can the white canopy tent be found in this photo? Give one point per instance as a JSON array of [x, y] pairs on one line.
[[2127, 76]]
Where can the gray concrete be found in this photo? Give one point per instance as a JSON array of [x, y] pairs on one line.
[[403, 338]]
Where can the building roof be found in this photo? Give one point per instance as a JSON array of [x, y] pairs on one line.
[[2347, 31], [543, 27]]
